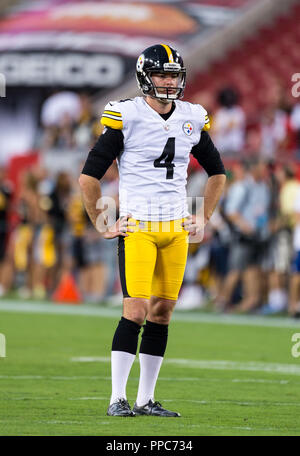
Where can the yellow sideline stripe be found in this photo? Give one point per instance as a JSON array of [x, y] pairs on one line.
[[169, 52]]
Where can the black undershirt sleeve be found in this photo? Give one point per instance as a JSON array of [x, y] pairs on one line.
[[108, 147], [208, 155]]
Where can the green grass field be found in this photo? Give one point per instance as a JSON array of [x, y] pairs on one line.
[[226, 376]]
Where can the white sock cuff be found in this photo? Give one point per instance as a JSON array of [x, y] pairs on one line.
[[121, 363]]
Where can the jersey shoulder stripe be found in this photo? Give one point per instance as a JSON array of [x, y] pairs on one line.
[[122, 114], [206, 124], [203, 117], [109, 121], [113, 113], [111, 117]]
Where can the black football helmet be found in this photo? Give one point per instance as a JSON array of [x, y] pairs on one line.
[[160, 58]]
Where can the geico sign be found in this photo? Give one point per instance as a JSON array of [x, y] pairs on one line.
[[68, 69]]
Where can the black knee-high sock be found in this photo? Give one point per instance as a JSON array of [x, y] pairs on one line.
[[154, 339], [152, 350], [126, 336]]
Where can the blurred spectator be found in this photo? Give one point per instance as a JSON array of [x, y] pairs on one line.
[[58, 105], [57, 205], [58, 115], [219, 249], [194, 292], [95, 272], [284, 188], [88, 251], [78, 221], [236, 188], [252, 146], [246, 209], [68, 122], [23, 237], [295, 124], [294, 298], [228, 126], [5, 201], [87, 128], [273, 130], [55, 200]]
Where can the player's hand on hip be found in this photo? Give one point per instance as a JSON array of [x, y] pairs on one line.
[[120, 228], [194, 225]]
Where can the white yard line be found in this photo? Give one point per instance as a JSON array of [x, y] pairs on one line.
[[204, 402], [233, 402], [59, 422], [291, 369], [190, 401], [88, 398], [259, 380], [167, 379], [52, 377], [248, 428], [72, 378], [107, 312], [183, 426], [91, 359], [250, 366]]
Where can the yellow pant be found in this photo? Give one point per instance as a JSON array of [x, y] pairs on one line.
[[152, 259]]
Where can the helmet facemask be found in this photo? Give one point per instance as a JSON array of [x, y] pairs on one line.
[[165, 93]]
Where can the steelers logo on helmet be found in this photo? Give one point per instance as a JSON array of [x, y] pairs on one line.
[[140, 62], [188, 128]]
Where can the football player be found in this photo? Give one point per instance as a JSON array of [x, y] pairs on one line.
[[151, 137]]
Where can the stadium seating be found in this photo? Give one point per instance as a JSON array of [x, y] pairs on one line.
[[270, 54]]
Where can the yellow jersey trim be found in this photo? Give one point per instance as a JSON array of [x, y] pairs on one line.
[[112, 123], [113, 113], [206, 124]]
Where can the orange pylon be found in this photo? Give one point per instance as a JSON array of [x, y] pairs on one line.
[[67, 291]]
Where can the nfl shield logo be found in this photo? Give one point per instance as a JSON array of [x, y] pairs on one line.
[[188, 128]]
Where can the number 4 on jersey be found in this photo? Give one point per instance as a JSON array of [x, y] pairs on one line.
[[166, 158]]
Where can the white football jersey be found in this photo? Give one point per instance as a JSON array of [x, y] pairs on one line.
[[153, 165]]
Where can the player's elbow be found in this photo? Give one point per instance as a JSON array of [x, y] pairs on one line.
[[218, 178], [222, 178], [86, 181], [82, 180]]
